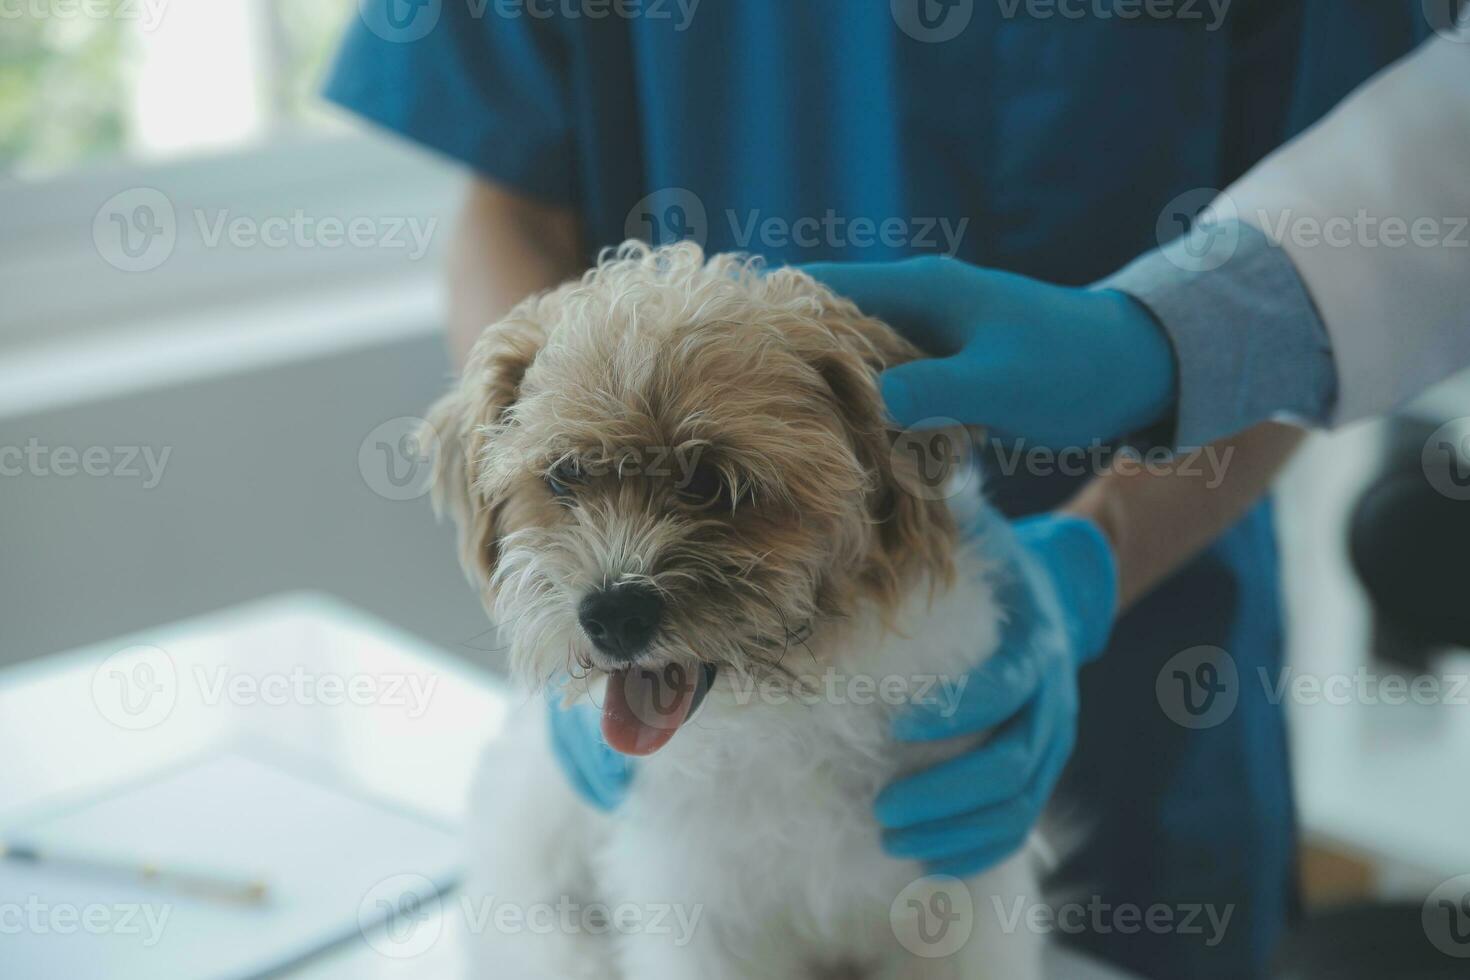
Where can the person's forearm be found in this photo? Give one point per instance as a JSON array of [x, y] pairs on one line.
[[1160, 516], [505, 248]]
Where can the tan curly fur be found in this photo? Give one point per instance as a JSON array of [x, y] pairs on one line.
[[767, 378]]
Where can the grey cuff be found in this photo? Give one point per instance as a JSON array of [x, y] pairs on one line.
[[1247, 337]]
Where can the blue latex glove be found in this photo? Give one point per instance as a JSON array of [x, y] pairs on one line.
[[1059, 593], [599, 773], [1051, 364]]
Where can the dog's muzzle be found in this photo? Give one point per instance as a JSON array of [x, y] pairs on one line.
[[621, 621]]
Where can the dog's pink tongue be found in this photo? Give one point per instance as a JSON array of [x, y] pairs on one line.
[[644, 708]]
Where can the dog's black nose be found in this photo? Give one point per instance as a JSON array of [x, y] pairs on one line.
[[621, 620]]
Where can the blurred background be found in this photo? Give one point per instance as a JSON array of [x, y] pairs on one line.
[[220, 315], [248, 332]]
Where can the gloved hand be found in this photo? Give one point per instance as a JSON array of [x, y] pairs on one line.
[[598, 772], [1051, 364], [1059, 593]]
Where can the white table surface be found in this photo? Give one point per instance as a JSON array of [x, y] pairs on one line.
[[1386, 779], [66, 729]]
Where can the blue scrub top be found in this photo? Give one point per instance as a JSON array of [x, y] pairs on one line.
[[796, 129]]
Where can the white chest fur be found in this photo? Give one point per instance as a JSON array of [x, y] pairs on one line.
[[755, 823]]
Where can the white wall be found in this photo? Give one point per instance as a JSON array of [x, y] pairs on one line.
[[261, 493]]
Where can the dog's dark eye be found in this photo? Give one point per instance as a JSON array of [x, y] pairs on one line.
[[563, 477], [704, 487]]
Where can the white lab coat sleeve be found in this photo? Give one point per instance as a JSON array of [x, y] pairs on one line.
[[1373, 207]]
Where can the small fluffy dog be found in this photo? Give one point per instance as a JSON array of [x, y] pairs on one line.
[[675, 484]]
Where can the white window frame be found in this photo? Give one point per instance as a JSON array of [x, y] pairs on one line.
[[56, 283]]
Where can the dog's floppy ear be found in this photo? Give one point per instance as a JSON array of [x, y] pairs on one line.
[[466, 422], [915, 529]]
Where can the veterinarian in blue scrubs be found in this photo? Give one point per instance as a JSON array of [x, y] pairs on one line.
[[1009, 136]]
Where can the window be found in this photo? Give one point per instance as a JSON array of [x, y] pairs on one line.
[[191, 130], [84, 82]]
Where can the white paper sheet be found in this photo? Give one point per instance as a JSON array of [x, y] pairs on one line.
[[336, 865]]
